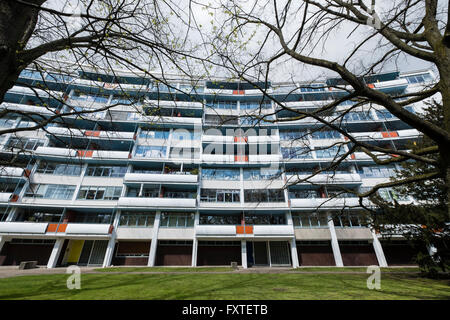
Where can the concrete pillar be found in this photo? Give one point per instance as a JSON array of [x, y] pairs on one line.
[[55, 253], [195, 241], [294, 255], [431, 251], [244, 253], [2, 242], [111, 243], [154, 243], [379, 250], [335, 244]]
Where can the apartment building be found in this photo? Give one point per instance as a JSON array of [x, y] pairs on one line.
[[137, 172]]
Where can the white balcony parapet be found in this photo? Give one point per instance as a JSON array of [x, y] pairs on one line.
[[87, 228], [103, 154], [264, 157], [11, 172], [273, 230], [5, 196], [90, 134], [23, 227], [174, 104], [26, 108], [157, 202], [218, 158], [52, 151], [215, 230], [264, 139], [391, 83], [326, 203], [217, 139], [324, 178], [153, 177]]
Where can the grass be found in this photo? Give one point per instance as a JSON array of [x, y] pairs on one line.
[[231, 286]]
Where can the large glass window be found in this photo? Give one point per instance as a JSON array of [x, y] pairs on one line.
[[134, 219], [325, 134], [151, 151], [310, 220], [154, 134], [99, 193], [261, 174], [106, 171], [177, 220], [330, 152], [220, 219], [303, 194], [218, 195], [220, 174], [51, 191], [264, 195], [24, 143], [59, 168], [296, 153]]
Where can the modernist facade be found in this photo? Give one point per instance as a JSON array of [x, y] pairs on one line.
[[191, 175]]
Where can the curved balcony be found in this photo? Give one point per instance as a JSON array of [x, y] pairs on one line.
[[157, 202]]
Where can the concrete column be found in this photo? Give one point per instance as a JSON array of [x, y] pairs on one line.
[[112, 243], [244, 253], [379, 251], [335, 244], [294, 255], [154, 243], [55, 253], [431, 251], [2, 242], [195, 241]]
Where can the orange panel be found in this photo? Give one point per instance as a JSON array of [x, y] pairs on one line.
[[62, 227], [92, 133], [393, 134], [249, 229], [52, 227], [238, 91], [385, 134], [371, 85], [239, 229]]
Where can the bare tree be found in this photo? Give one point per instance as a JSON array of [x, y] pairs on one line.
[[255, 39]]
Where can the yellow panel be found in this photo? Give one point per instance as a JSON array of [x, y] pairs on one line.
[[75, 251]]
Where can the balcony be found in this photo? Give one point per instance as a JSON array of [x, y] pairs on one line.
[[160, 178], [95, 154], [5, 196], [11, 172], [26, 108], [326, 203], [338, 178], [244, 231], [215, 231], [273, 231], [157, 202], [22, 228], [91, 134]]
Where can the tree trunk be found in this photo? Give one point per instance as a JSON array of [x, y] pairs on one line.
[[17, 22]]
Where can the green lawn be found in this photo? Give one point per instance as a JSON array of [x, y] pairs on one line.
[[165, 269], [233, 286]]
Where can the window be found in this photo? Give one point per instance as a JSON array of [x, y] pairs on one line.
[[326, 134], [177, 220], [310, 220], [293, 135], [304, 194], [330, 152], [296, 153], [151, 151], [50, 191], [230, 105], [217, 195], [220, 174], [8, 123], [59, 168], [377, 171], [129, 219], [99, 193], [8, 187], [265, 218], [264, 195], [183, 134], [262, 174], [215, 219], [106, 171], [255, 105], [24, 143], [154, 134], [349, 220]]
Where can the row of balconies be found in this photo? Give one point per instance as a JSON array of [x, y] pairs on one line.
[[58, 229]]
